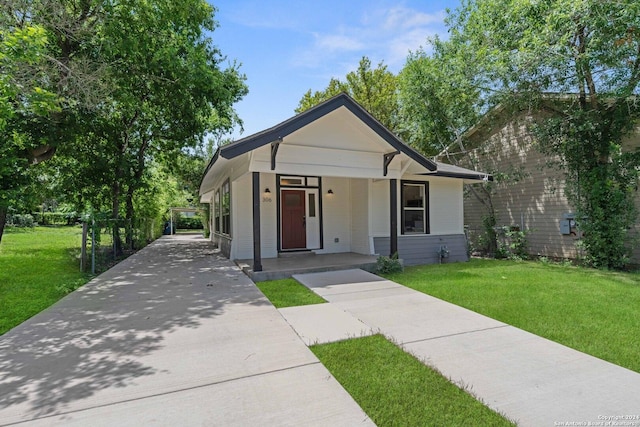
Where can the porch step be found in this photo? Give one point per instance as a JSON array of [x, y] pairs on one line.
[[295, 254]]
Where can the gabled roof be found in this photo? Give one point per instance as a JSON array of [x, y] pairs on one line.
[[293, 124], [233, 152]]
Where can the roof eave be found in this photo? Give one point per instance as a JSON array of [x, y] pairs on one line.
[[291, 125]]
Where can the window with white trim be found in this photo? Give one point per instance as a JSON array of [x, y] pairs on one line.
[[216, 210], [225, 208], [415, 207]]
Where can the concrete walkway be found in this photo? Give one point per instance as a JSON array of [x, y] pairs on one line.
[[174, 335], [531, 380]]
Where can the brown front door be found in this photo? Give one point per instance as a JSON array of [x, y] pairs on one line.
[[294, 233]]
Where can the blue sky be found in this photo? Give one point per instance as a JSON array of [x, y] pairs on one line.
[[288, 47]]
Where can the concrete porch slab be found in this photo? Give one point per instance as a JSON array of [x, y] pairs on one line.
[[323, 323], [282, 268], [343, 277]]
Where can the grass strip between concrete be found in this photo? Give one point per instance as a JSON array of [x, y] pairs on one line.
[[288, 293], [395, 388]]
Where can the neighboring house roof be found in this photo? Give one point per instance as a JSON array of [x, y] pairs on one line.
[[499, 115], [287, 127]]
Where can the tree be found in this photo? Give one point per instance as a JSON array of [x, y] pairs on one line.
[[374, 89], [170, 89], [588, 50], [438, 96], [47, 79], [21, 50], [439, 99], [111, 88]]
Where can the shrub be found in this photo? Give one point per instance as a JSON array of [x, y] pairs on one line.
[[387, 265], [188, 223], [56, 218], [514, 246], [18, 220]]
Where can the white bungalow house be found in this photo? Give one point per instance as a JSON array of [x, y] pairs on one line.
[[334, 180]]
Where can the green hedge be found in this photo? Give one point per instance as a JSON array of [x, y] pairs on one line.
[[55, 218], [189, 223]]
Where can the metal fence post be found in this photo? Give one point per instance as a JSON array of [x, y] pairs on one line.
[[93, 246], [83, 248]]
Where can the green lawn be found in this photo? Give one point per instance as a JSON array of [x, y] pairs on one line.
[[38, 266], [288, 293], [396, 389], [596, 312]]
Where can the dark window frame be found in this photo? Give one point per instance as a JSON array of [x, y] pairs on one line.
[[216, 211], [225, 208], [425, 207]]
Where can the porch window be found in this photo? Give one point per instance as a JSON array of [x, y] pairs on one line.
[[216, 209], [415, 207], [225, 211]]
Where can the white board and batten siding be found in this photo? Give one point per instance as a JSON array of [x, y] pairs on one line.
[[336, 215], [360, 216], [446, 205], [319, 161], [242, 217], [355, 219], [268, 217]]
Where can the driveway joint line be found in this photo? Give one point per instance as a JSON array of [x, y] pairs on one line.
[[357, 292], [106, 405], [456, 334]]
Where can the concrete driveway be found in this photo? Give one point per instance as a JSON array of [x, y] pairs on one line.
[[174, 335]]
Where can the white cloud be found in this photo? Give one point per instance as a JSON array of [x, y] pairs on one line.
[[338, 42], [384, 34], [405, 18]]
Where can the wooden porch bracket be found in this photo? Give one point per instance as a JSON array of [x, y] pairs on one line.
[[274, 151], [386, 160], [393, 215], [257, 255]]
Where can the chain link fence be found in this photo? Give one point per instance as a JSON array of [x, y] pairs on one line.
[[105, 242]]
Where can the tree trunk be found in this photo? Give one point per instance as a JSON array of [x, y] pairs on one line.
[[129, 216], [131, 188], [115, 214], [3, 220]]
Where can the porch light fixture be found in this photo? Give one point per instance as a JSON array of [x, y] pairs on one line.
[[330, 191], [267, 191]]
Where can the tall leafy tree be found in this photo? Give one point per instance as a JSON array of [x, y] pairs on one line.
[[170, 89], [439, 99], [47, 77], [588, 50], [519, 52], [374, 89], [111, 87], [21, 51]]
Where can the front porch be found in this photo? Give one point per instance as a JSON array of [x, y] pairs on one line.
[[281, 268]]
